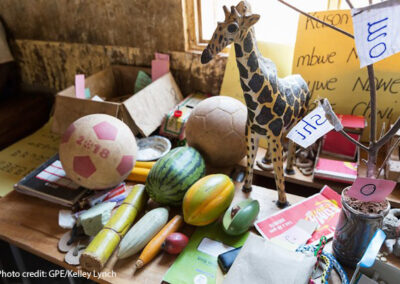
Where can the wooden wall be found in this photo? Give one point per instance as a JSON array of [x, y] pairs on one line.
[[54, 40]]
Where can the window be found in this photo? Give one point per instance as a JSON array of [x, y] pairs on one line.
[[278, 23]]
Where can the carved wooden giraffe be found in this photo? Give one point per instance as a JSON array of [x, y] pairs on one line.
[[273, 104]]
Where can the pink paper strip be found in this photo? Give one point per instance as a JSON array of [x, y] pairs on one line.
[[368, 189], [162, 56], [80, 86], [159, 68]]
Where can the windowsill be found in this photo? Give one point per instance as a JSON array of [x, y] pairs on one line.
[[224, 53]]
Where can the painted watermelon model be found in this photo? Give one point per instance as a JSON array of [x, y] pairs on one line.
[[174, 174]]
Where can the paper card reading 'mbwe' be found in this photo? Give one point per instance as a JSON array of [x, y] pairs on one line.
[[368, 189], [377, 31], [310, 128]]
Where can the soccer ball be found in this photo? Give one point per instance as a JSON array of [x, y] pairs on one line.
[[98, 151], [216, 128]]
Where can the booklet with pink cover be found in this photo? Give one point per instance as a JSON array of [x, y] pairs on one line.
[[322, 208], [340, 171]]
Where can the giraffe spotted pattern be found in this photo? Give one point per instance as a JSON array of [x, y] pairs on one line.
[[274, 104]]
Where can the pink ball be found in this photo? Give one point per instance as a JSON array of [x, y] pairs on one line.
[[98, 151]]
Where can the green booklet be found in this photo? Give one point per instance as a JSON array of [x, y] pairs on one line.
[[197, 263], [142, 81]]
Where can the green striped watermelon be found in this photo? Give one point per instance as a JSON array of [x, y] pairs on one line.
[[172, 175]]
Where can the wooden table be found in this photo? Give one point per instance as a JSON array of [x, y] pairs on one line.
[[32, 224]]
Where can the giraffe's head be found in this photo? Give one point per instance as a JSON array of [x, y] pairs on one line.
[[237, 21]]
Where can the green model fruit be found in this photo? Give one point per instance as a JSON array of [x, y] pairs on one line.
[[240, 217], [174, 174]]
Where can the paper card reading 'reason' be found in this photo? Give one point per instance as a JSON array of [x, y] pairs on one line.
[[368, 189]]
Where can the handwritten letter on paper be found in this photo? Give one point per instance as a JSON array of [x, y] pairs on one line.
[[368, 189], [310, 128], [377, 31]]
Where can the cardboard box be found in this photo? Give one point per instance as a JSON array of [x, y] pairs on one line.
[[143, 112], [336, 145]]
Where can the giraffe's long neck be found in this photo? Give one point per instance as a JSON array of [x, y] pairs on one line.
[[247, 55], [257, 76]]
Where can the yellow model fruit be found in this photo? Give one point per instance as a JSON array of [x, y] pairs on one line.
[[207, 199]]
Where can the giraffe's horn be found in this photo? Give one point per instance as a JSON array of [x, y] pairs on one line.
[[234, 12], [226, 11]]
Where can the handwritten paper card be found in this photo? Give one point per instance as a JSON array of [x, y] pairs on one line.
[[340, 78], [377, 31], [310, 128], [368, 189], [80, 86]]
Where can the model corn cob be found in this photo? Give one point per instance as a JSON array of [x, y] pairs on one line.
[[103, 245]]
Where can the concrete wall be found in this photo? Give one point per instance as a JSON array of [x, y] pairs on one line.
[[55, 39]]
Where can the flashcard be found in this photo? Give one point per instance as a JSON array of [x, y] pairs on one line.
[[310, 128], [369, 189], [377, 31]]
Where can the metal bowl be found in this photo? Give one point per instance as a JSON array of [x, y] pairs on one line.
[[152, 148]]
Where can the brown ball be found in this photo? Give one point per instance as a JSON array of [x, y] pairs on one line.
[[98, 151], [216, 128]]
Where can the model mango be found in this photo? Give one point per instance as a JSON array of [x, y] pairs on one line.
[[207, 199]]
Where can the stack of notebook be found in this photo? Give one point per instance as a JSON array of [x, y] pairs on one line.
[[49, 182]]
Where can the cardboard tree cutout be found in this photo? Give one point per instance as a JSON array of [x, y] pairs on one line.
[[273, 104]]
